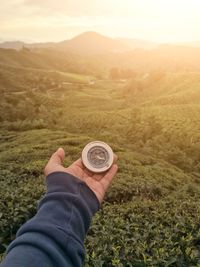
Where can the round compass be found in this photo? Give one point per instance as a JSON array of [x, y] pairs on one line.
[[97, 156]]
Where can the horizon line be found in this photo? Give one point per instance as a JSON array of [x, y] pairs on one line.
[[28, 41]]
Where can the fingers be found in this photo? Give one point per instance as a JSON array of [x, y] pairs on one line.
[[58, 157], [61, 154], [55, 162], [107, 179], [98, 176]]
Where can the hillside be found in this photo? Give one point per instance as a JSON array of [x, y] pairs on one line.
[[170, 58], [159, 88], [146, 105], [20, 79], [99, 62], [51, 59], [150, 216], [17, 45]]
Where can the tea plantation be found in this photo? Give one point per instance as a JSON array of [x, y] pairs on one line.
[[151, 213]]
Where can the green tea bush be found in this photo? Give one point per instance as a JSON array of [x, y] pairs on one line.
[[150, 216], [145, 233]]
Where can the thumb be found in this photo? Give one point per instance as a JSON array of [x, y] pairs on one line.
[[55, 161], [58, 157]]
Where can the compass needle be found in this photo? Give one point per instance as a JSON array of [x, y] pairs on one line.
[[100, 157]]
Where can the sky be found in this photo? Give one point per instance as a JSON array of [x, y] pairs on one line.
[[50, 20]]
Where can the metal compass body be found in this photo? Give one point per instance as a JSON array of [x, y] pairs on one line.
[[97, 156]]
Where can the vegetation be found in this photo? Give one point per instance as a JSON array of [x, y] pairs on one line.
[[151, 213]]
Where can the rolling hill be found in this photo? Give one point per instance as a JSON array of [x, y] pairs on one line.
[[51, 59], [95, 43], [87, 42], [17, 45], [165, 58], [151, 213], [163, 89]]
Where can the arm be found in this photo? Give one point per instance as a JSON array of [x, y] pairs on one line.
[[55, 235]]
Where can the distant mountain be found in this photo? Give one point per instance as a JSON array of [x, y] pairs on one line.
[[87, 42], [95, 43], [17, 45], [136, 43]]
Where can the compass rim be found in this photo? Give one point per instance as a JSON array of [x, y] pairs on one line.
[[86, 162]]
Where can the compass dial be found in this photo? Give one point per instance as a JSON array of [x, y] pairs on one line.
[[97, 156]]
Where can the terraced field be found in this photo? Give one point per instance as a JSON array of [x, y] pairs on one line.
[[151, 214]]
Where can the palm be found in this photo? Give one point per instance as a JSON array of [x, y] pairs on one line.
[[98, 183]]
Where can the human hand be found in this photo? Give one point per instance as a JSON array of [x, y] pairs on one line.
[[98, 183]]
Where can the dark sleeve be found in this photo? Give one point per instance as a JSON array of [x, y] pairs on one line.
[[54, 237]]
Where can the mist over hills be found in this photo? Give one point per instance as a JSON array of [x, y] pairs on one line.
[[95, 43], [18, 45], [87, 42], [91, 53], [136, 43]]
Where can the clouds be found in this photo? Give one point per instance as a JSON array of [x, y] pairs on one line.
[[115, 8], [87, 8], [43, 20], [77, 8], [62, 7]]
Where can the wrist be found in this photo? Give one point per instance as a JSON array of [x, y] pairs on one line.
[[66, 182]]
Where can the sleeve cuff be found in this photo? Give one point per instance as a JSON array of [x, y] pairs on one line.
[[65, 182]]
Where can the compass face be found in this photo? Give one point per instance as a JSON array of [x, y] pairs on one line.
[[97, 156]]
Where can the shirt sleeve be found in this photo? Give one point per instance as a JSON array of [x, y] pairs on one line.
[[54, 237]]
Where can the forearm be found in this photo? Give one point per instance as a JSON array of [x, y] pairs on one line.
[[55, 235]]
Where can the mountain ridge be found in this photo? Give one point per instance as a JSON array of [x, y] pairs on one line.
[[87, 42], [91, 42], [84, 42]]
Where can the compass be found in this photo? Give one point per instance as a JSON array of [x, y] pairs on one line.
[[97, 156]]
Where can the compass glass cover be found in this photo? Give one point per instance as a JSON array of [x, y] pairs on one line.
[[98, 157]]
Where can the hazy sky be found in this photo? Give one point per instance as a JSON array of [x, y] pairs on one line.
[[54, 20]]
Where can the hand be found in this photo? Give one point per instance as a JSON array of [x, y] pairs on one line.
[[98, 183]]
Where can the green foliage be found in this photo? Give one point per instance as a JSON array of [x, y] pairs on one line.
[[151, 214], [145, 233]]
